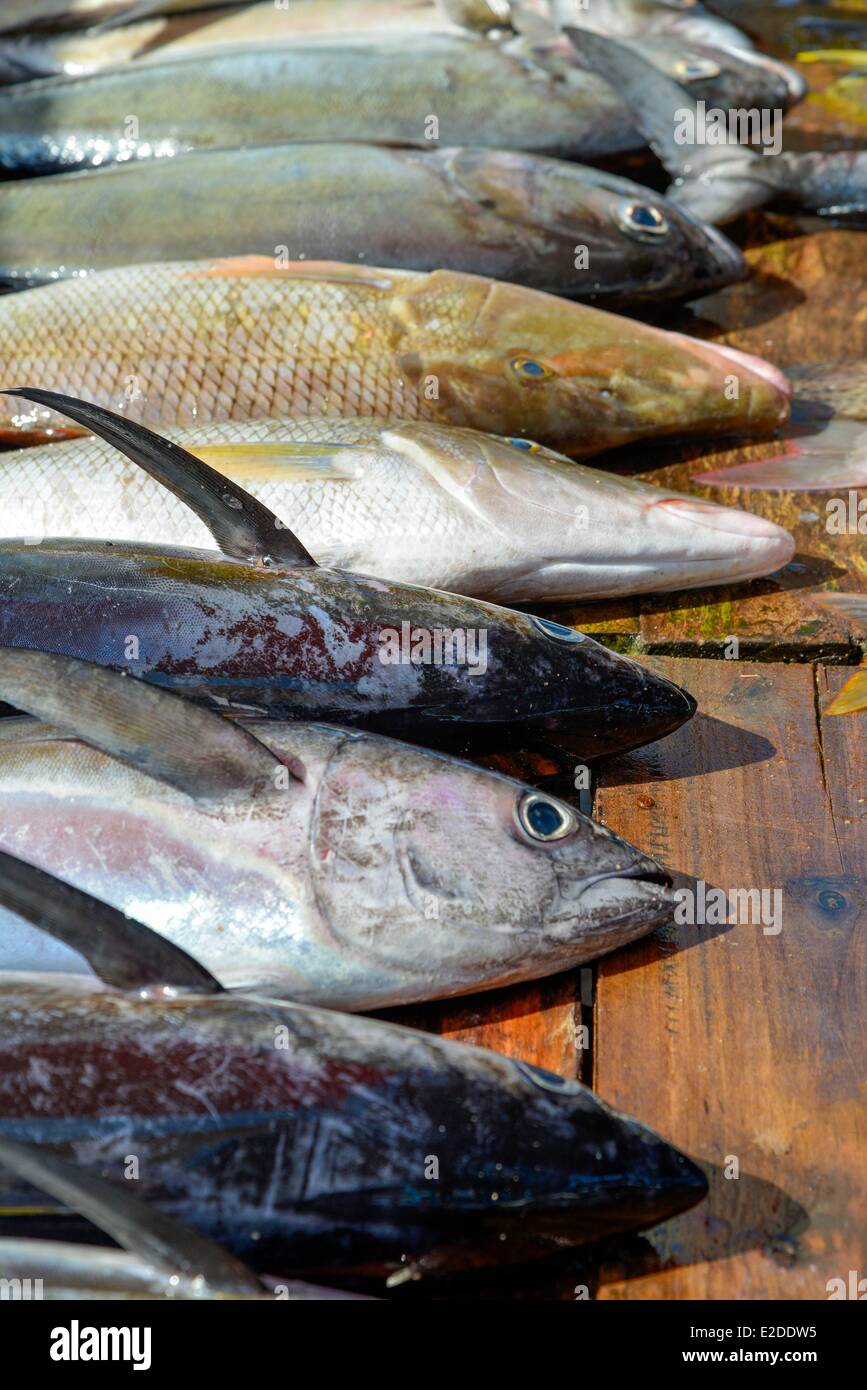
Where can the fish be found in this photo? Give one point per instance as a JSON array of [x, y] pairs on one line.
[[64, 14], [84, 50], [329, 866], [306, 1139], [683, 21], [159, 1257], [432, 505], [179, 343], [259, 628], [454, 88], [544, 223], [720, 178]]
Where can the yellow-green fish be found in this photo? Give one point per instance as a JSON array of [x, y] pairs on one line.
[[184, 342]]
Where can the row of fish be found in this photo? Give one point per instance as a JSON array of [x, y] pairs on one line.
[[312, 864], [456, 177], [299, 446]]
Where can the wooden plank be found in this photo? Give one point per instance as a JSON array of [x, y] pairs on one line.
[[845, 770], [538, 1021], [733, 1043], [789, 312]]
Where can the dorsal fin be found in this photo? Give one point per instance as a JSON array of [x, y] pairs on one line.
[[156, 731], [657, 103], [136, 1226], [242, 527], [123, 952]]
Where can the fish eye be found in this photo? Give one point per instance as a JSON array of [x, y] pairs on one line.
[[547, 1080], [690, 69], [642, 220], [529, 369], [543, 819], [526, 444], [558, 631]]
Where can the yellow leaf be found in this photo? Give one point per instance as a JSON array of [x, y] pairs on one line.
[[851, 697]]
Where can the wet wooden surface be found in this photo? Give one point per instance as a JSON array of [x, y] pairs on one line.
[[744, 1048], [805, 303], [742, 1043]]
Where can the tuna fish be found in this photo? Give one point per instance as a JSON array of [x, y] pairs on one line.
[[334, 868], [307, 1139]]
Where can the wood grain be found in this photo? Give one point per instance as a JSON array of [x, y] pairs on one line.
[[733, 1043]]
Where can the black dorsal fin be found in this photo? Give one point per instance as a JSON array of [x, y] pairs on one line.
[[242, 527], [143, 1230], [161, 734], [123, 952]]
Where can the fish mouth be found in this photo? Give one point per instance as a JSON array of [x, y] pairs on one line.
[[615, 906], [643, 713], [720, 355], [765, 546], [793, 85], [653, 1183], [641, 870]]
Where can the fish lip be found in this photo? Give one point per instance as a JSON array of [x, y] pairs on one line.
[[647, 722], [642, 869], [629, 1204], [765, 546]]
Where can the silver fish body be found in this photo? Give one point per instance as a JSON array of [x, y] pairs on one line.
[[514, 216], [454, 89], [385, 875], [64, 1271], [417, 503]]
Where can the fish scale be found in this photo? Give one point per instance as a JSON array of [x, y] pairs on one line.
[[173, 343], [420, 503], [388, 487], [140, 338]]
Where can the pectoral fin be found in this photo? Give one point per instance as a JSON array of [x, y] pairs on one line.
[[144, 1230], [282, 462], [161, 734], [121, 951]]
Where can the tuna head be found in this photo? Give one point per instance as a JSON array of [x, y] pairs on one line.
[[521, 362], [638, 244], [438, 877], [576, 686], [528, 1161], [575, 1169]]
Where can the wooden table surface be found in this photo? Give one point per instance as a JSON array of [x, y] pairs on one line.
[[743, 1047]]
